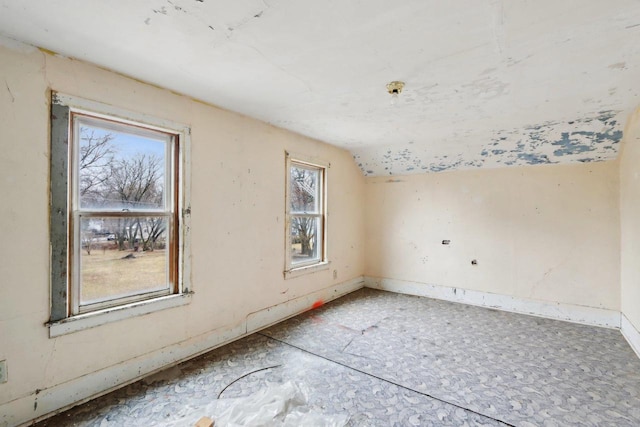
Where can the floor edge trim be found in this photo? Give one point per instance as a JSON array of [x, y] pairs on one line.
[[559, 311]]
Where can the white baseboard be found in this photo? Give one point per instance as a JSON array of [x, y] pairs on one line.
[[559, 311], [269, 316], [26, 409], [631, 334]]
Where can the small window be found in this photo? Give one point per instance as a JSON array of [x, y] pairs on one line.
[[116, 202], [306, 216]]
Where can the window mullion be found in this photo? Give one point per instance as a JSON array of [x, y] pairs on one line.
[[119, 214]]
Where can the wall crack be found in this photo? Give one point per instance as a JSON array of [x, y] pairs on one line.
[[13, 98]]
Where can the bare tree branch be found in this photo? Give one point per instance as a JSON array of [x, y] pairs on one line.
[[96, 154]]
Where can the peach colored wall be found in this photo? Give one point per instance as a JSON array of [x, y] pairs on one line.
[[630, 220], [547, 233], [237, 224]]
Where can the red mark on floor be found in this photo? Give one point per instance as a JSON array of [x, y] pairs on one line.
[[317, 304]]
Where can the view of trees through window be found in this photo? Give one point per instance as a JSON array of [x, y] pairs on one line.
[[123, 209], [305, 195]]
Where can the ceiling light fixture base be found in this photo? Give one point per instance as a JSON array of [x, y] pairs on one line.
[[395, 87]]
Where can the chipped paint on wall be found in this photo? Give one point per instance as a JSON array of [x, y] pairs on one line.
[[591, 138]]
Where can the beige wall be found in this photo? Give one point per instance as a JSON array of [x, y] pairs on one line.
[[630, 220], [237, 224], [548, 233]]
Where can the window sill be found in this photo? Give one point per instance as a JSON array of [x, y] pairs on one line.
[[113, 314], [307, 269]]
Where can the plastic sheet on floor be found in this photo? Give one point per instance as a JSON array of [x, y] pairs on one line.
[[278, 405]]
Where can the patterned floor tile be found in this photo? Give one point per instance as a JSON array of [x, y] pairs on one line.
[[386, 359], [515, 368]]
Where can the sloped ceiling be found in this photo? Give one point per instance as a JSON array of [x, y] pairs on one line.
[[489, 83]]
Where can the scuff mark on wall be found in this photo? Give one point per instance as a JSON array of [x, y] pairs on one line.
[[13, 98], [162, 10], [246, 20], [618, 66], [176, 7]]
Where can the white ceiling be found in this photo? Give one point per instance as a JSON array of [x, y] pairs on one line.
[[489, 83]]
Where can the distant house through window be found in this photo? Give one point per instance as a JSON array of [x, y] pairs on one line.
[[306, 214], [116, 222]]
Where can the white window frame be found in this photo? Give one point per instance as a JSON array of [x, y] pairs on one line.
[[291, 269], [66, 315]]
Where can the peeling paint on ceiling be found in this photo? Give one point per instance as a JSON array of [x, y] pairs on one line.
[[489, 83], [586, 139]]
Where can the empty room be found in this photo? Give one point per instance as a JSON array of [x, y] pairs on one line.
[[343, 213]]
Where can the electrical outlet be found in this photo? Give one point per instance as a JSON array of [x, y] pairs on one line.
[[3, 371]]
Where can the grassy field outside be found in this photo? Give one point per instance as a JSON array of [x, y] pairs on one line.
[[107, 273]]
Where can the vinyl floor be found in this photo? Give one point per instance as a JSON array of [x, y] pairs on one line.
[[386, 359]]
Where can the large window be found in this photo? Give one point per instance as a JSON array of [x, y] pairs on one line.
[[116, 199], [306, 219]]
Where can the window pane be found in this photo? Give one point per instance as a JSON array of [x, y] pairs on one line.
[[120, 169], [305, 244], [122, 257], [304, 189]]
